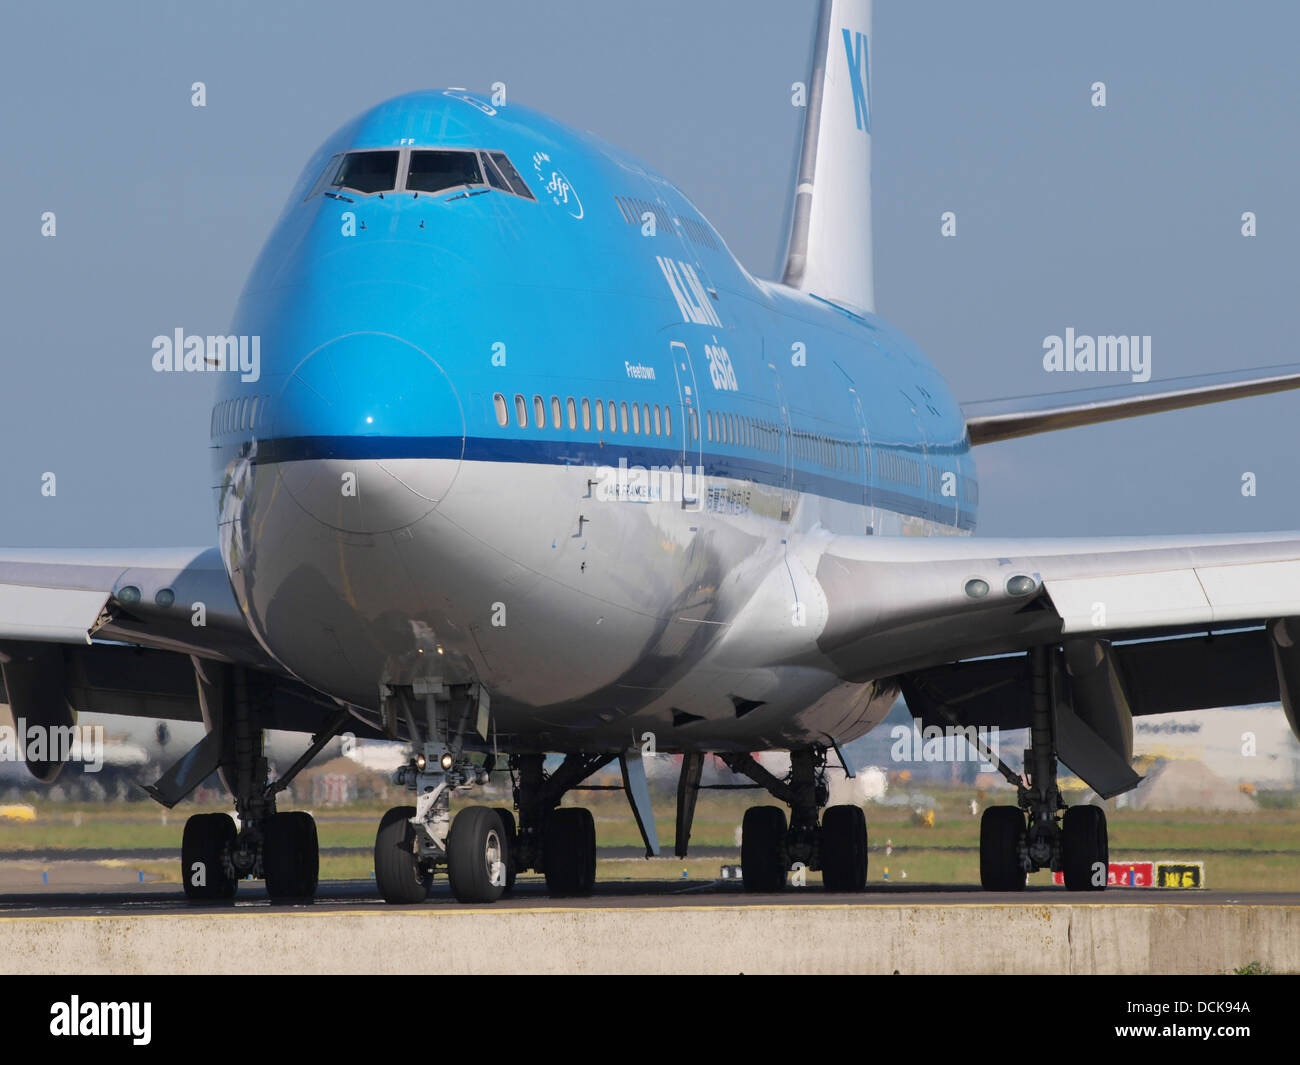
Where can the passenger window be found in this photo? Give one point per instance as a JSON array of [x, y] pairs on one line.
[[645, 417], [436, 171], [511, 175], [695, 427], [613, 417], [521, 411], [555, 411], [623, 411], [573, 414], [668, 421], [367, 172], [499, 402], [539, 412], [636, 419], [253, 411], [586, 414], [658, 425], [600, 416]]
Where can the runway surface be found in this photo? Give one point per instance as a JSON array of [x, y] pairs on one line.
[[530, 894]]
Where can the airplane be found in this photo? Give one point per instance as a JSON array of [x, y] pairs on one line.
[[516, 460]]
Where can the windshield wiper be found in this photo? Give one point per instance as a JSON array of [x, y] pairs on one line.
[[339, 196]]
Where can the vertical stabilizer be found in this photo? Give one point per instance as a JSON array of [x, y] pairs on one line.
[[829, 248]]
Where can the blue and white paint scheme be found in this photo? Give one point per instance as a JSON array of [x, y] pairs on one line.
[[437, 366], [524, 428]]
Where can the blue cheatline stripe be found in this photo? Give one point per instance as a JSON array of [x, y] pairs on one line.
[[589, 453]]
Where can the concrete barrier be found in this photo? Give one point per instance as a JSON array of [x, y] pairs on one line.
[[994, 938]]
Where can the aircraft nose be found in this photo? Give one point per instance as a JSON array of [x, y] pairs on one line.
[[368, 433]]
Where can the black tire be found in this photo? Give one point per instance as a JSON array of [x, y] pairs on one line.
[[397, 873], [570, 857], [204, 844], [477, 855], [763, 861], [1001, 829], [1085, 848], [844, 849], [290, 856], [512, 835]]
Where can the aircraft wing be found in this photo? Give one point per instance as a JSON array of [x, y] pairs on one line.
[[175, 600], [127, 633], [989, 421], [894, 604], [1145, 625]]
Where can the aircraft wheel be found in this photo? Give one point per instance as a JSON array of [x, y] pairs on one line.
[[570, 856], [1085, 848], [397, 871], [477, 855], [290, 855], [763, 861], [204, 844], [512, 835], [844, 848], [1001, 829]]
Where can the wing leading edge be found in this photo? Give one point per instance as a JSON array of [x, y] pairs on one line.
[[990, 421]]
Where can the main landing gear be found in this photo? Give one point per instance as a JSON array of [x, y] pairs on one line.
[[1018, 840], [216, 853], [770, 848]]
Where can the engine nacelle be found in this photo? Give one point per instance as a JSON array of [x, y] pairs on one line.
[[34, 679]]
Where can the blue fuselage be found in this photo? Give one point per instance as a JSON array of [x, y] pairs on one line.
[[500, 338]]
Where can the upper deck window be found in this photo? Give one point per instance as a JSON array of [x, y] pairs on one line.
[[433, 171], [368, 172]]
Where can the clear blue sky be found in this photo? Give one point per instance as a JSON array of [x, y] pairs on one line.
[[1122, 220]]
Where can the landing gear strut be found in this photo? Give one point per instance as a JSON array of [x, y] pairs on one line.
[[413, 842], [1018, 840], [770, 847], [215, 853]]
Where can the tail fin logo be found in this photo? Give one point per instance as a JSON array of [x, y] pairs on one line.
[[855, 47]]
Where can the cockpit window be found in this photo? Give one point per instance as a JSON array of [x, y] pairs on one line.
[[368, 172], [511, 174], [427, 170], [326, 176], [494, 175], [433, 171]]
